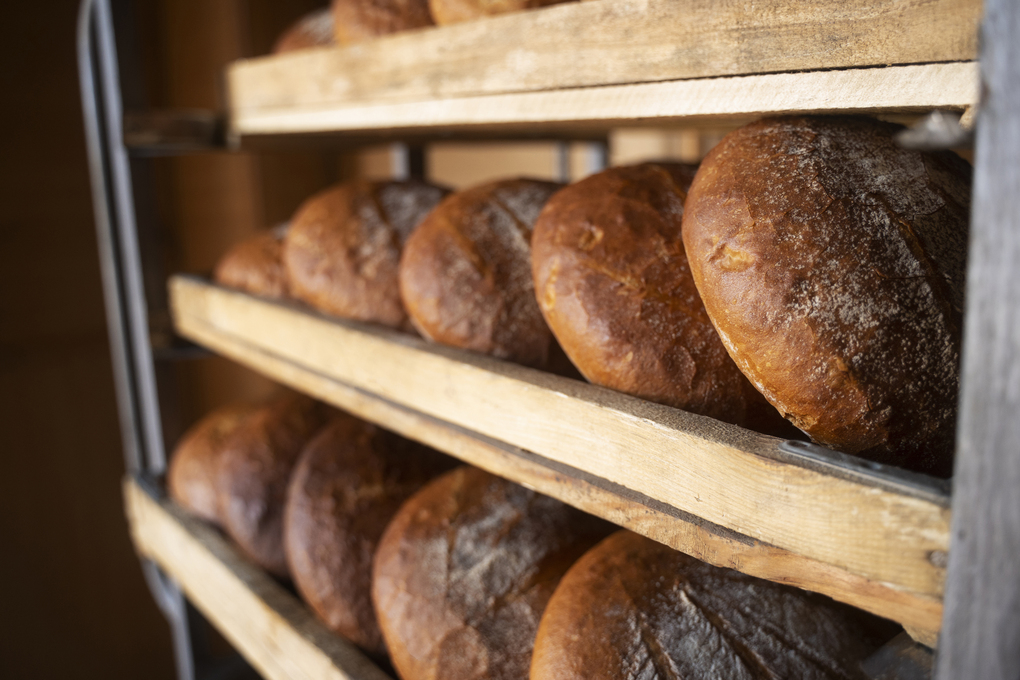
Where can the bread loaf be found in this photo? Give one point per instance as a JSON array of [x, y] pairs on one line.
[[359, 20], [832, 263], [343, 248], [191, 475], [463, 573], [254, 469], [465, 274], [613, 282], [314, 29], [633, 608], [454, 11], [347, 485], [255, 265]]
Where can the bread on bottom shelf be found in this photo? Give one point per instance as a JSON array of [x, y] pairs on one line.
[[254, 469], [359, 20], [465, 569], [314, 29], [633, 608], [255, 265], [191, 473], [349, 482], [831, 261]]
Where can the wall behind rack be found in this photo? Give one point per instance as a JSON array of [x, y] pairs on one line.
[[72, 599]]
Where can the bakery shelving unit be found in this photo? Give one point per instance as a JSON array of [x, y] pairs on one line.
[[878, 538]]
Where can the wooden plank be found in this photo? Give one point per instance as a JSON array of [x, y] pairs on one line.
[[270, 627], [612, 42], [871, 90], [982, 633], [599, 496], [728, 476]]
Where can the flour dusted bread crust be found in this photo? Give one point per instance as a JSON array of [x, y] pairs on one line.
[[633, 608], [343, 247], [314, 29], [359, 20], [349, 482], [191, 475], [254, 469], [454, 11], [832, 263], [612, 280], [255, 265], [465, 275], [465, 569]]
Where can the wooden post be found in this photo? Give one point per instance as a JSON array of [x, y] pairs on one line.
[[981, 628]]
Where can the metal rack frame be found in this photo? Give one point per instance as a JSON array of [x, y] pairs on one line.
[[981, 626]]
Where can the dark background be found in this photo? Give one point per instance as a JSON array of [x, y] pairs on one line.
[[72, 601]]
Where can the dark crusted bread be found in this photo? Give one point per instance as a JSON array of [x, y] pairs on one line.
[[254, 469], [343, 247], [314, 29], [454, 11], [191, 475], [255, 265], [359, 20], [832, 263], [634, 608], [613, 282], [349, 482], [465, 275], [465, 569]]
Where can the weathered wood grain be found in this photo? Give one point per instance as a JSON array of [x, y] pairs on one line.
[[271, 628], [612, 42], [981, 638], [870, 90], [723, 474]]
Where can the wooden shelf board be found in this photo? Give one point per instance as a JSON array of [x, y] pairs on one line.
[[609, 42], [721, 493], [272, 629], [589, 110]]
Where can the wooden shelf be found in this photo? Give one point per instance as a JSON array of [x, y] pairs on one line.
[[274, 630], [581, 67], [861, 533]]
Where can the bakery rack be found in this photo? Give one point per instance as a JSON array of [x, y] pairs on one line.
[[873, 536]]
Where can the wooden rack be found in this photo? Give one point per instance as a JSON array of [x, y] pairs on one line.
[[863, 534]]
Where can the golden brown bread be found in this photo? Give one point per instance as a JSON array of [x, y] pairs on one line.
[[359, 20], [342, 251], [454, 11], [831, 261], [191, 475], [347, 485], [634, 608], [253, 471], [255, 265], [612, 281], [465, 569], [314, 29], [465, 274]]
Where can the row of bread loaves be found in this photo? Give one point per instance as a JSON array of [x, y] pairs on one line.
[[809, 269], [473, 577]]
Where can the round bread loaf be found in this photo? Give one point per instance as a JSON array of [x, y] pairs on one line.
[[349, 482], [634, 608], [465, 275], [342, 251], [253, 471], [359, 20], [612, 280], [454, 11], [465, 569], [314, 29], [832, 263], [255, 265], [191, 475]]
